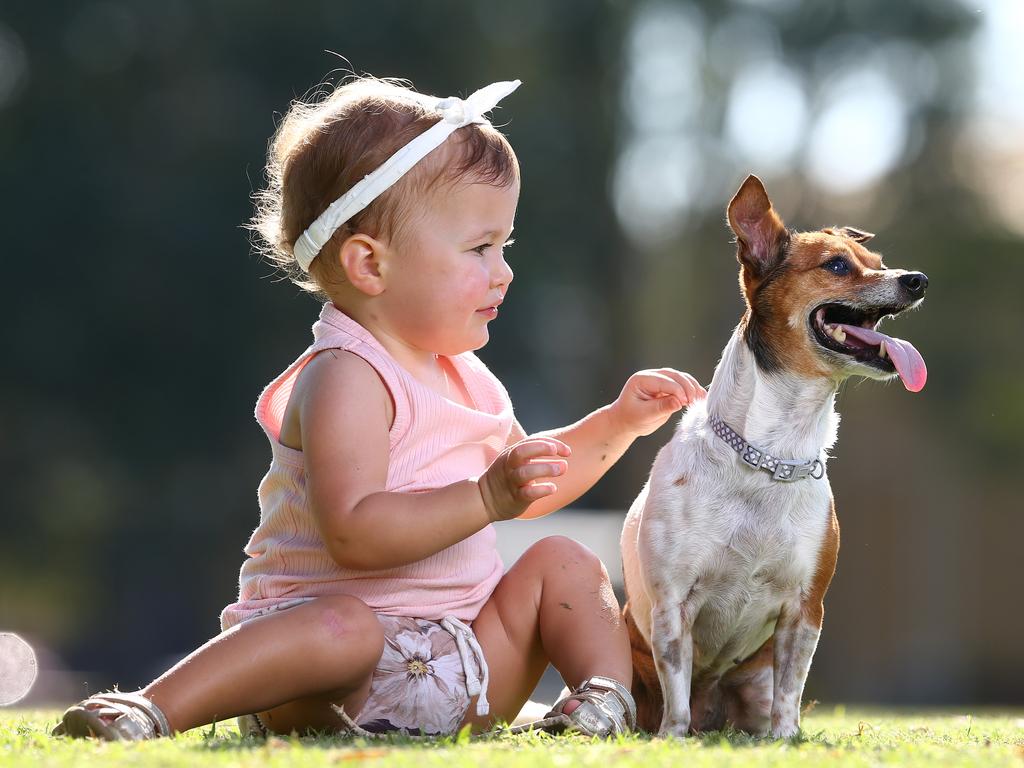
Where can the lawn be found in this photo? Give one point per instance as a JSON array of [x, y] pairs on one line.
[[831, 736]]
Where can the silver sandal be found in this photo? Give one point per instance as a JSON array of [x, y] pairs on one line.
[[606, 709], [114, 716]]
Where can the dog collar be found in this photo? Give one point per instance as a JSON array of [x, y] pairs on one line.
[[781, 470]]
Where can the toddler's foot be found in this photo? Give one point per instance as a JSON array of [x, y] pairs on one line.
[[600, 707], [114, 716]]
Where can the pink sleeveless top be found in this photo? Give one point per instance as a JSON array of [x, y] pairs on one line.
[[433, 442]]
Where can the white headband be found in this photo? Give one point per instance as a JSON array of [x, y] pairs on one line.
[[455, 113]]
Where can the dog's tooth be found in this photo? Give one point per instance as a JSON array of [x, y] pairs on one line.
[[839, 335], [881, 351]]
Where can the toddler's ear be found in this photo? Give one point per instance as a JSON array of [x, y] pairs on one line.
[[360, 258]]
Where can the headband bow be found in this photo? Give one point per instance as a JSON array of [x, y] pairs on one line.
[[455, 113]]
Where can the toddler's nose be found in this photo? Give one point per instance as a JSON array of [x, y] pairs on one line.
[[504, 274]]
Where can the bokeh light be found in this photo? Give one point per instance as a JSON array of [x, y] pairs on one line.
[[859, 134], [767, 114], [13, 65]]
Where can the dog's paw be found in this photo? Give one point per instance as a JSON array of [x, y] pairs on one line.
[[678, 727], [785, 730]]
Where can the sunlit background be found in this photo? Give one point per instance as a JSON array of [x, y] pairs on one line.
[[140, 329]]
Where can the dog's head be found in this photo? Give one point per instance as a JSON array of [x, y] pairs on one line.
[[815, 299]]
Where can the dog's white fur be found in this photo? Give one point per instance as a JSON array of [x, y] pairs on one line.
[[718, 557], [716, 560]]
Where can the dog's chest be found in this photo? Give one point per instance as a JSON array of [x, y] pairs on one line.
[[748, 545]]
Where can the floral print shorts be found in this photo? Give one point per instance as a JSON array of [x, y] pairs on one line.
[[420, 683], [423, 682]]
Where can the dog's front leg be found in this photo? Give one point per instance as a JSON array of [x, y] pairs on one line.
[[796, 637], [672, 648]]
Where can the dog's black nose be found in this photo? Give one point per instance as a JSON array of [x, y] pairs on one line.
[[915, 282]]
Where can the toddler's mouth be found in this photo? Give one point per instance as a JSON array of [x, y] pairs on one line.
[[492, 311]]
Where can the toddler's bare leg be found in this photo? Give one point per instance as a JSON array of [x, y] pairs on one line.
[[303, 658], [555, 604]]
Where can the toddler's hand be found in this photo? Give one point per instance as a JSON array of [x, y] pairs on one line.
[[520, 475], [650, 397]]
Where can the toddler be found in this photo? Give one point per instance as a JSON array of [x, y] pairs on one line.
[[373, 596]]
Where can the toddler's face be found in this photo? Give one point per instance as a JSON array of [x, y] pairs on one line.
[[445, 282]]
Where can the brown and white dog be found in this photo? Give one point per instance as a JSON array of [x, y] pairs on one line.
[[730, 546]]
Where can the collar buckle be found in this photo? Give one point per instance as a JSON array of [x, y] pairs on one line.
[[788, 471]]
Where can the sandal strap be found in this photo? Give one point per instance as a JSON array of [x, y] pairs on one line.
[[139, 718], [606, 707], [549, 724], [622, 692]]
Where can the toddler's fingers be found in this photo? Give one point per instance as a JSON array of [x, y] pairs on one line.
[[670, 402], [538, 469], [560, 448], [652, 385], [680, 378], [536, 491], [536, 447], [691, 387], [698, 391], [692, 390]]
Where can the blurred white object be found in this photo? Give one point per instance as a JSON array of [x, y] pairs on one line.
[[18, 668]]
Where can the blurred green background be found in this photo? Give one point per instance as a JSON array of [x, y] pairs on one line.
[[140, 328]]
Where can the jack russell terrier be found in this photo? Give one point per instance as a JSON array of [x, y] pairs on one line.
[[731, 544]]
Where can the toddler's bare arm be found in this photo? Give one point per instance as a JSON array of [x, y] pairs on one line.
[[598, 440], [344, 426]]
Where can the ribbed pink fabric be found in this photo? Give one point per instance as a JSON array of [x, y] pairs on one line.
[[433, 442]]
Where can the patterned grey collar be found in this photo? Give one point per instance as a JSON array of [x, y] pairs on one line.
[[780, 469]]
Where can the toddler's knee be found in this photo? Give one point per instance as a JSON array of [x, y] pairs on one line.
[[344, 616], [563, 552]]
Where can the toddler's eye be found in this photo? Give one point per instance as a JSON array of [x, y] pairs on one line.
[[837, 266], [482, 248]]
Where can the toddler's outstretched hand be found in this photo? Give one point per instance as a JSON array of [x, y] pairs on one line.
[[650, 397], [521, 474]]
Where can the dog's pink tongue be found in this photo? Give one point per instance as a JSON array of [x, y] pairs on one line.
[[908, 361]]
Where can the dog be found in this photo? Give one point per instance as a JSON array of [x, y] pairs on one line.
[[730, 547]]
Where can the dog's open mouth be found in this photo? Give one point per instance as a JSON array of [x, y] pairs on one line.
[[851, 331]]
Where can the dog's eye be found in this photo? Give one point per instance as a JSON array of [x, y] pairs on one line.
[[837, 266]]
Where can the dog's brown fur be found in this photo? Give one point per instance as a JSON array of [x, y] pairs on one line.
[[787, 280], [646, 687]]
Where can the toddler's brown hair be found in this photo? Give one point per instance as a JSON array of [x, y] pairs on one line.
[[323, 146]]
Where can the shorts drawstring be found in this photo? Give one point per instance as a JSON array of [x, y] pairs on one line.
[[469, 648]]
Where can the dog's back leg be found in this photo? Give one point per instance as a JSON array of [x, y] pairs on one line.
[[747, 692], [707, 706], [646, 686]]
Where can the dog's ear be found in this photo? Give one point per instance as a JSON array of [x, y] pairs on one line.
[[761, 236], [857, 235]]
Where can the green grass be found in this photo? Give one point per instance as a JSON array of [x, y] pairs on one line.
[[836, 738]]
